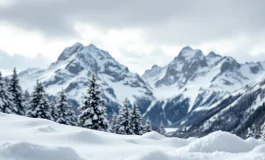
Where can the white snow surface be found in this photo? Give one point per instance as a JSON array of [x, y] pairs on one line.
[[23, 138]]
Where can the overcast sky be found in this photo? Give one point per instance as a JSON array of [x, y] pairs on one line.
[[137, 33]]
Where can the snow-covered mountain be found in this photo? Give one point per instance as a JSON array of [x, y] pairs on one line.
[[244, 109], [72, 71], [192, 88], [193, 81]]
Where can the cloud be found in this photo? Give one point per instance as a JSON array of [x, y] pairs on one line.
[[8, 62], [132, 30], [190, 20]]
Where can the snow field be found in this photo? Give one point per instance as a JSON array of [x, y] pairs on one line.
[[23, 138]]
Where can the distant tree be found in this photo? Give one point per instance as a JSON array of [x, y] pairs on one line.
[[7, 81], [65, 114], [136, 120], [54, 111], [71, 118], [17, 95], [124, 119], [161, 129], [6, 103], [148, 126], [62, 108], [26, 100], [39, 106], [93, 110], [252, 132], [114, 123], [262, 129], [26, 95]]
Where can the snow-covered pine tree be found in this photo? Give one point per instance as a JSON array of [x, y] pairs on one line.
[[124, 119], [65, 113], [54, 112], [161, 129], [39, 106], [148, 126], [250, 133], [71, 116], [26, 100], [262, 130], [93, 111], [253, 132], [26, 95], [62, 109], [16, 93], [6, 103], [7, 81], [136, 120], [114, 123]]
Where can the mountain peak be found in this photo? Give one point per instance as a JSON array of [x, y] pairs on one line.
[[213, 54], [91, 46], [69, 51], [187, 53], [155, 67], [187, 48]]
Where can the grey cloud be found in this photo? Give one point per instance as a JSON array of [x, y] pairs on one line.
[[170, 20], [21, 62]]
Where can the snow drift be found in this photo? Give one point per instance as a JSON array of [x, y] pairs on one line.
[[23, 138]]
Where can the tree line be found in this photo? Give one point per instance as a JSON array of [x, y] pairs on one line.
[[93, 110]]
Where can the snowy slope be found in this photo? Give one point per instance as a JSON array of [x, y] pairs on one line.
[[23, 138], [73, 70], [244, 109], [193, 81]]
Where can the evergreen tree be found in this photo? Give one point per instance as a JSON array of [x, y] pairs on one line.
[[62, 109], [148, 126], [93, 110], [26, 100], [6, 103], [71, 116], [114, 123], [17, 94], [7, 81], [65, 114], [136, 120], [39, 106], [26, 95], [124, 119], [262, 128], [161, 129], [252, 132], [54, 112]]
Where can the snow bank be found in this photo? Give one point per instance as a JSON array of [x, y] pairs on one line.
[[259, 149], [153, 135], [23, 138], [45, 128], [154, 155], [30, 151], [220, 141]]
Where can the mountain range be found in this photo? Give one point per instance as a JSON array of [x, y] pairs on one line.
[[196, 93]]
